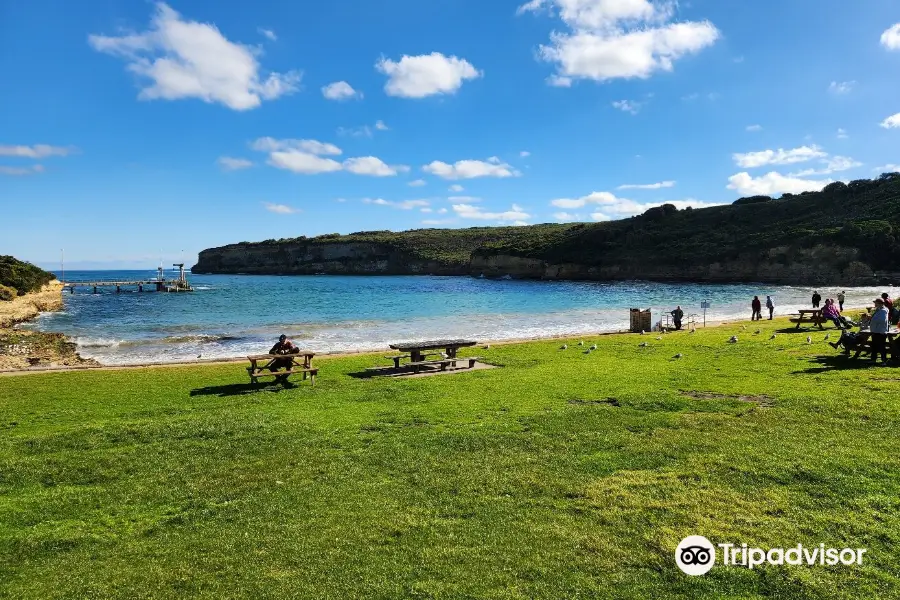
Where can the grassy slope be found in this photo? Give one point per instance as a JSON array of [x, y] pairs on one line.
[[506, 483], [23, 276]]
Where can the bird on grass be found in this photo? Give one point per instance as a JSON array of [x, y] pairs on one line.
[[743, 327], [643, 345], [693, 330], [827, 336], [808, 340], [593, 346], [757, 332], [733, 340], [564, 347], [581, 343], [679, 355], [643, 332], [773, 336], [659, 338]]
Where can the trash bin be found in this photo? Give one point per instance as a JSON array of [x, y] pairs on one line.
[[641, 320]]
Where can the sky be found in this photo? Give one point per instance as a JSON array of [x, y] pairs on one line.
[[134, 132]]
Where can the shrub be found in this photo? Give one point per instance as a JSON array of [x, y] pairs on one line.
[[752, 200], [7, 293], [23, 276]]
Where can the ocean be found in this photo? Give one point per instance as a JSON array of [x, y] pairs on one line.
[[234, 315]]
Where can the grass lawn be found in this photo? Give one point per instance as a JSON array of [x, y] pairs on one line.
[[560, 475]]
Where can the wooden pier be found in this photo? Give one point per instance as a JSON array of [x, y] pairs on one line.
[[160, 284]]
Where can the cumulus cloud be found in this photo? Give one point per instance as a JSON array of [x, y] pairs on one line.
[[363, 131], [426, 75], [372, 166], [340, 90], [609, 206], [268, 144], [890, 39], [281, 209], [176, 58], [892, 122], [463, 199], [268, 33], [470, 169], [647, 186], [417, 183], [380, 126], [514, 214], [841, 87], [752, 160], [404, 205], [889, 168], [233, 164], [303, 162], [629, 106], [456, 188], [17, 171], [612, 39], [36, 151], [834, 164], [773, 183]]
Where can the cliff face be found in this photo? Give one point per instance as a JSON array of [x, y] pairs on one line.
[[353, 258]]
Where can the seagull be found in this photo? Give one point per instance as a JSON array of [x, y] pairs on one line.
[[808, 340], [487, 347], [693, 330], [594, 347], [743, 327], [679, 355], [773, 337], [199, 356], [758, 331], [581, 342], [564, 347], [659, 338], [643, 345], [733, 340], [643, 332]]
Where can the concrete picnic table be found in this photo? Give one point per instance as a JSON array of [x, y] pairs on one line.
[[301, 362], [417, 350]]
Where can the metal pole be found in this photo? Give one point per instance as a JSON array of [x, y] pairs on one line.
[[62, 263]]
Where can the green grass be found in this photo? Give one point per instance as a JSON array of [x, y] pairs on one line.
[[560, 475]]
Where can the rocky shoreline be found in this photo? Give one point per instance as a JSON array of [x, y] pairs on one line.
[[23, 348]]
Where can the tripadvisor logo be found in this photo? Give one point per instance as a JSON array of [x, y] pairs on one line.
[[696, 555]]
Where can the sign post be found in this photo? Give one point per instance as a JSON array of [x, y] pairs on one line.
[[704, 305]]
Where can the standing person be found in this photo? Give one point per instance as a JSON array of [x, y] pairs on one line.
[[770, 304], [677, 316], [816, 299], [878, 328], [841, 297], [756, 305]]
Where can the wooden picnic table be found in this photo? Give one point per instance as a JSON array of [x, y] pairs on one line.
[[864, 343], [300, 362], [810, 315], [417, 350]]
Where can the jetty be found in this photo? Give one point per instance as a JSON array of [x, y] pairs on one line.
[[160, 284]]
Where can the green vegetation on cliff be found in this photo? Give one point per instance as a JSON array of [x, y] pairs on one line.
[[846, 231], [21, 276]]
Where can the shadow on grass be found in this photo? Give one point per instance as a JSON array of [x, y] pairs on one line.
[[242, 389], [839, 362]]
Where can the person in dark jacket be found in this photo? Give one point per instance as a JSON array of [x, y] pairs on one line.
[[816, 299], [756, 305], [283, 347], [677, 316], [770, 304]]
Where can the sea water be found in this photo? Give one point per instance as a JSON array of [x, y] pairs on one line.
[[235, 315]]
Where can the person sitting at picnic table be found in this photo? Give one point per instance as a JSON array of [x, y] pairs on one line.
[[770, 304], [816, 299], [283, 347], [831, 312], [756, 306], [677, 316], [878, 330]]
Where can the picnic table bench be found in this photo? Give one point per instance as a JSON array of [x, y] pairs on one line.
[[300, 362], [419, 352], [810, 315], [864, 344]]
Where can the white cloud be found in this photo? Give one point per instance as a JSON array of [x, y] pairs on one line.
[[889, 168], [442, 211], [629, 106], [456, 188], [380, 126], [470, 169], [426, 75], [340, 90], [281, 209], [303, 162], [438, 221], [267, 33], [464, 199], [752, 160], [773, 183], [892, 122], [372, 166], [841, 87], [611, 39], [890, 39], [233, 164], [417, 183], [647, 186], [842, 134], [754, 128], [268, 144], [524, 153], [36, 151], [565, 217], [833, 164], [363, 131], [404, 205], [467, 211], [16, 171], [613, 207], [177, 59]]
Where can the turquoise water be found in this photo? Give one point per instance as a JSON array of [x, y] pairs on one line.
[[233, 315]]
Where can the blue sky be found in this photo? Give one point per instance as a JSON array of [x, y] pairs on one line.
[[136, 131]]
